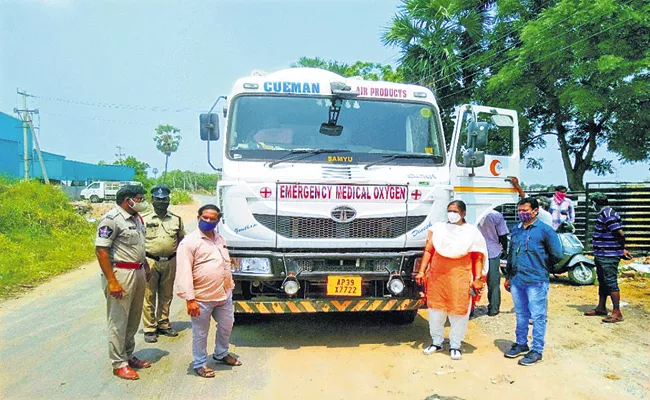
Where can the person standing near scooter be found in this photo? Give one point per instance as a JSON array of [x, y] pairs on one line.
[[608, 242], [534, 247], [561, 207]]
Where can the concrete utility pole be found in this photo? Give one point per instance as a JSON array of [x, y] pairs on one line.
[[26, 117], [25, 135]]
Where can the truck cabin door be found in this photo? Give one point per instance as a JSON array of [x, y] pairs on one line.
[[484, 152]]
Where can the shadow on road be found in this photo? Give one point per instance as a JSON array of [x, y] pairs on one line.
[[583, 307], [180, 326], [503, 344], [331, 330], [151, 355]]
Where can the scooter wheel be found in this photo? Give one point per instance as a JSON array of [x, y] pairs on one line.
[[582, 274]]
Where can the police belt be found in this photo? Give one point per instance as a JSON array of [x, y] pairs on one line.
[[157, 258], [125, 265]]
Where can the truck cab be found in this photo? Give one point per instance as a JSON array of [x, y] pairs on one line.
[[329, 185]]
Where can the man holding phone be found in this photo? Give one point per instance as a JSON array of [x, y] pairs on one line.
[[608, 242]]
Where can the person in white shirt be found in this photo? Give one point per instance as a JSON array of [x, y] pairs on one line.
[[543, 215]]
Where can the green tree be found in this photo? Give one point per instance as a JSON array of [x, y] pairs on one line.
[[574, 69], [167, 139], [191, 181], [140, 169], [366, 70], [443, 45], [587, 86]]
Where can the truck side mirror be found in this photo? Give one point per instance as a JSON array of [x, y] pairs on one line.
[[473, 158], [477, 135], [209, 126]]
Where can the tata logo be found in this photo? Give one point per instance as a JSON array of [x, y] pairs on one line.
[[343, 214]]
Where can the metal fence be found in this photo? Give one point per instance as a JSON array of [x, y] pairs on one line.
[[630, 200]]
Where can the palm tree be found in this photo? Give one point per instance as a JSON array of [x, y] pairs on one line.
[[441, 42], [167, 139]]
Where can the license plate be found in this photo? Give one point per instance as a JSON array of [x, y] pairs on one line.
[[343, 285]]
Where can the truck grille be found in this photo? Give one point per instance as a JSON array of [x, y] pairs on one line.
[[350, 266], [325, 228]]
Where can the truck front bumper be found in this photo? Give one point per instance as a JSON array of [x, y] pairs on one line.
[[297, 306]]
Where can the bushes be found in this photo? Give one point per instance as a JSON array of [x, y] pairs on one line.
[[180, 197], [40, 234]]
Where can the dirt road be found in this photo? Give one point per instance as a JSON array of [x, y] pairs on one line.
[[53, 345]]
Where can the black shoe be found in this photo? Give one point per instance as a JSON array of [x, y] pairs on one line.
[[493, 314], [531, 358], [167, 332], [516, 350], [150, 337]]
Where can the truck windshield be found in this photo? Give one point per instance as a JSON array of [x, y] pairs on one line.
[[270, 127]]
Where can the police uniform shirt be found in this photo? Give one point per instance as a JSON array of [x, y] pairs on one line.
[[123, 234], [163, 234]]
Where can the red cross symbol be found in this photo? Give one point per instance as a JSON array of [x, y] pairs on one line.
[[265, 192], [416, 194]]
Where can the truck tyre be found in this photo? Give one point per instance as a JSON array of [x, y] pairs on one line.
[[582, 274], [402, 317], [94, 199]]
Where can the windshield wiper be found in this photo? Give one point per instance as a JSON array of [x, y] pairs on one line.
[[435, 158], [301, 154]]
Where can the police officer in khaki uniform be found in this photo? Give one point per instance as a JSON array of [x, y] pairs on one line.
[[164, 233], [120, 250]]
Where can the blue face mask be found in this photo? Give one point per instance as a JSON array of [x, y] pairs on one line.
[[207, 226]]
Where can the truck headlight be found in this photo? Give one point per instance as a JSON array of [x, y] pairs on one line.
[[291, 285], [395, 284], [251, 265]]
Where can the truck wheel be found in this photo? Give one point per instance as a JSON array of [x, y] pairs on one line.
[[402, 317], [94, 199], [582, 274]]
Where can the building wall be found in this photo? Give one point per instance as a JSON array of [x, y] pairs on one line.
[[57, 166], [11, 146]]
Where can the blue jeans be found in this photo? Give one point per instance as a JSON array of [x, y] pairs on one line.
[[531, 302]]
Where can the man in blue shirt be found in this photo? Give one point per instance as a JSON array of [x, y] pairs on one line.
[[534, 247], [608, 242]]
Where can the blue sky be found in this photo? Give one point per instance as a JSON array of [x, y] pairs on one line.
[[106, 73]]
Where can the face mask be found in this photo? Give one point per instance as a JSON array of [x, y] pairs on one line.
[[559, 196], [139, 207], [160, 204], [206, 226], [453, 217], [525, 216]]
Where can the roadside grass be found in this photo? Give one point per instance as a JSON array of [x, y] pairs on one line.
[[179, 196], [40, 235]]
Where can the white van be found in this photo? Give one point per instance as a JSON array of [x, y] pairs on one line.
[[99, 191]]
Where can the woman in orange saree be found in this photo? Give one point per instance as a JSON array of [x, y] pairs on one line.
[[455, 252]]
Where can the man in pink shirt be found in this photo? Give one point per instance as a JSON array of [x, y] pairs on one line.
[[204, 281]]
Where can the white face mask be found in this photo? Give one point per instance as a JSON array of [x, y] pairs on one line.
[[138, 207], [453, 217]]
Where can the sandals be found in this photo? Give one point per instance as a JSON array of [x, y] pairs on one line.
[[229, 359], [205, 372], [595, 313], [612, 319]]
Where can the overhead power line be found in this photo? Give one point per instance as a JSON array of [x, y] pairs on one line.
[[116, 121], [118, 106], [507, 59], [555, 52]]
